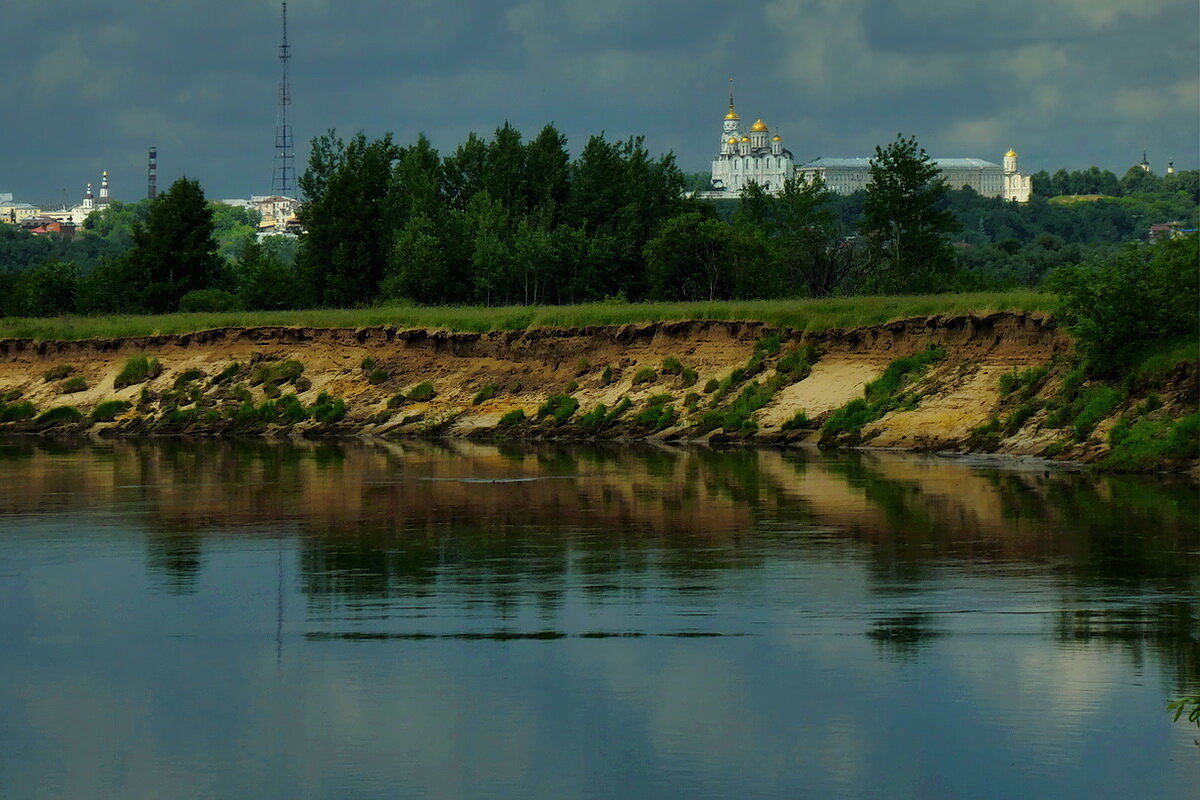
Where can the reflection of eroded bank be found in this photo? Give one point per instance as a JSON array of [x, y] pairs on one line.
[[911, 511], [516, 524]]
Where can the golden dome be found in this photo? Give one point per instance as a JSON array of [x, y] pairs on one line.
[[732, 140], [759, 127], [732, 114], [1011, 154], [745, 138], [776, 139]]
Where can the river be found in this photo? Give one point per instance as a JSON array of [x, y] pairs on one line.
[[459, 619]]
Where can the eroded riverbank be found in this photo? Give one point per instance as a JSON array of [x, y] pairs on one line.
[[994, 382]]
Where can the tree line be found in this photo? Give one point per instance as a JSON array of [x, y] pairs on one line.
[[507, 220]]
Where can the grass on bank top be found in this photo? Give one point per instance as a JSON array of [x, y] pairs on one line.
[[809, 314]]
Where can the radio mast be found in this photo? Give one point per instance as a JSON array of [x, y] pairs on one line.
[[283, 179]]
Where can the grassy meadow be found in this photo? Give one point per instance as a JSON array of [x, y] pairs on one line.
[[807, 314]]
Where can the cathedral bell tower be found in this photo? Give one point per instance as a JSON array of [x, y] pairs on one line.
[[732, 128]]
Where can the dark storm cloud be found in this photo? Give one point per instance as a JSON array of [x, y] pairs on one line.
[[1067, 82]]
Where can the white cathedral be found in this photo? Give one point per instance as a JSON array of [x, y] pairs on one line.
[[743, 158]]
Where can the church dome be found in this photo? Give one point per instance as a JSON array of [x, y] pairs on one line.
[[1011, 154], [759, 127], [732, 114], [776, 138], [745, 138], [732, 140]]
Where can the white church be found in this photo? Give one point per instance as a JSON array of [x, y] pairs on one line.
[[744, 158]]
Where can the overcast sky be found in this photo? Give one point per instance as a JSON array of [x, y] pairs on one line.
[[1068, 83]]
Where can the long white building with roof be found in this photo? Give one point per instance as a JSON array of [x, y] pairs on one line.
[[849, 175]]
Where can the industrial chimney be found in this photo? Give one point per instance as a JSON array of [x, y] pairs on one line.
[[152, 174]]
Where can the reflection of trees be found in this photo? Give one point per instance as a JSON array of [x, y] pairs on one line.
[[902, 637], [1168, 628], [396, 521], [176, 556]]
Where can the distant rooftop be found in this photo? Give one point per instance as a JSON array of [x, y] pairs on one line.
[[864, 163]]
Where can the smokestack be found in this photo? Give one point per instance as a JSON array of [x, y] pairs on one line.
[[152, 174]]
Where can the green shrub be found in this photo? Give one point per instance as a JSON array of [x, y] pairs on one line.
[[136, 370], [1114, 308], [618, 411], [1029, 381], [644, 375], [691, 400], [1149, 444], [515, 417], [1095, 404], [671, 366], [328, 410], [422, 392], [229, 373], [73, 385], [594, 420], [688, 377], [849, 419], [581, 367], [60, 414], [369, 363], [271, 390], [10, 395], [182, 417], [208, 301], [985, 436], [560, 407], [396, 400], [189, 376], [57, 373], [607, 376], [378, 376], [302, 384], [1152, 403], [1017, 419], [1009, 382], [16, 412], [711, 386], [276, 372], [710, 420], [768, 345], [799, 421], [797, 362], [108, 410], [290, 410], [485, 394], [572, 386], [656, 417], [902, 371]]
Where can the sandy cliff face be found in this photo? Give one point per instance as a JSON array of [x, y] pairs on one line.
[[373, 371]]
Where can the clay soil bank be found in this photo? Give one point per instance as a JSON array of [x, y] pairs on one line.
[[479, 380]]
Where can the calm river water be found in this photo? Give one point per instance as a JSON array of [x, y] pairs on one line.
[[471, 620]]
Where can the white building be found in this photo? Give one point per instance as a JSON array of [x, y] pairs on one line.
[[744, 158], [77, 214], [849, 175]]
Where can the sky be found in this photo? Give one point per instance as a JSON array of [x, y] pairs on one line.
[[1067, 83]]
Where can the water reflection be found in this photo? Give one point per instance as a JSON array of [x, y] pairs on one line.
[[723, 618]]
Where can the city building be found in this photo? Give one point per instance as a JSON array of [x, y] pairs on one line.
[[849, 175], [77, 214], [745, 157], [13, 212]]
